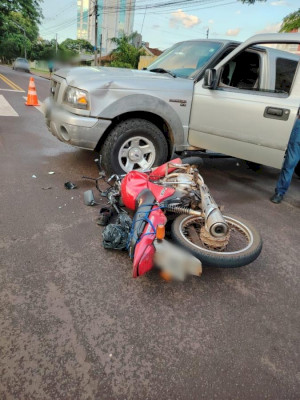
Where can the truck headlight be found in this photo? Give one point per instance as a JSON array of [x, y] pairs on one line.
[[76, 98]]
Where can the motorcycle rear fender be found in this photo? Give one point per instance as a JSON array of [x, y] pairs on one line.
[[143, 260]]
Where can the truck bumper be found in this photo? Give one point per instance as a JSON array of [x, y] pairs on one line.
[[76, 130]]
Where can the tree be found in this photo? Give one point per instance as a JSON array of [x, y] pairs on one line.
[[125, 55], [28, 8], [291, 22], [17, 16], [78, 45]]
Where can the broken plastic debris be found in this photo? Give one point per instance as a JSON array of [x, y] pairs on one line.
[[70, 185], [60, 207], [110, 355], [47, 187], [51, 173], [33, 176]]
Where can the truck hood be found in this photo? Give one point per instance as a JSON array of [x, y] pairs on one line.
[[91, 78]]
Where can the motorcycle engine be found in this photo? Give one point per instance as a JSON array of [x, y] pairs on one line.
[[182, 182]]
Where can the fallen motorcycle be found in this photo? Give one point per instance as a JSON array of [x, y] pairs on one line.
[[175, 192]]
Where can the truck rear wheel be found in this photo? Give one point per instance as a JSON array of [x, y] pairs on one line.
[[134, 144]]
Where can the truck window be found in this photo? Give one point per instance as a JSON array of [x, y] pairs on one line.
[[285, 71], [242, 72]]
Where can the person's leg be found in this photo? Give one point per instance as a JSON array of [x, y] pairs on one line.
[[291, 160]]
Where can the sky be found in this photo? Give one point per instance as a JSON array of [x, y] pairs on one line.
[[227, 19]]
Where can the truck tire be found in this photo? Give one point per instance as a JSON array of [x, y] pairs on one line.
[[134, 144], [198, 161]]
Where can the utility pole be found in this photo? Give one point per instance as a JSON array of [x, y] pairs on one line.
[[100, 50], [56, 44], [207, 33], [96, 29]]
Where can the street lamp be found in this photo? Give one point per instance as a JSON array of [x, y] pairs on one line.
[[19, 26]]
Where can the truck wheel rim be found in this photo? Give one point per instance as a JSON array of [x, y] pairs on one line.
[[137, 153]]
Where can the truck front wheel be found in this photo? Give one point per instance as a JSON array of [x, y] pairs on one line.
[[133, 144]]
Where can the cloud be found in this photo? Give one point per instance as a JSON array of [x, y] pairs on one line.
[[211, 21], [233, 32], [238, 12], [155, 26], [272, 28], [179, 17], [279, 3]]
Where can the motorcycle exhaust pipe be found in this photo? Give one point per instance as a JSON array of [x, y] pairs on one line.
[[215, 223]]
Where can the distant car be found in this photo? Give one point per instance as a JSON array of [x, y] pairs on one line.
[[21, 64]]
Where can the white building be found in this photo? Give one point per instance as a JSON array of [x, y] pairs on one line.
[[114, 17]]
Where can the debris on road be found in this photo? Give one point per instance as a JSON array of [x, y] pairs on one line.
[[47, 187], [34, 176], [89, 199], [51, 173], [70, 185], [115, 236]]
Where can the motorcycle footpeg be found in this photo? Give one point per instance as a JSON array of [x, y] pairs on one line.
[[175, 261]]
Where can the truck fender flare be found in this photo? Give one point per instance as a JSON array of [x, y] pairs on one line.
[[151, 104]]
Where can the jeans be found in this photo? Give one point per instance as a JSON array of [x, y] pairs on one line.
[[292, 157]]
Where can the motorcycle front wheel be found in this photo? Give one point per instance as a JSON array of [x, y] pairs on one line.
[[242, 247]]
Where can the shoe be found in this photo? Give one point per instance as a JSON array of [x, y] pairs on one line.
[[104, 216], [277, 198]]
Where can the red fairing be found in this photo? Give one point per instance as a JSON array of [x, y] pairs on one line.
[[160, 171], [160, 192], [144, 250], [132, 184]]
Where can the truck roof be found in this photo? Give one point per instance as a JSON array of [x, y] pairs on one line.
[[270, 37]]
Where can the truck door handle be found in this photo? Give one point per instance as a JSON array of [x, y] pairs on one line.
[[277, 113]]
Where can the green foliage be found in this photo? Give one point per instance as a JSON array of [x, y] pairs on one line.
[[78, 45], [28, 8], [125, 55], [16, 18], [291, 22]]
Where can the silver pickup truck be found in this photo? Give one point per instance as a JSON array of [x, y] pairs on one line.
[[218, 95]]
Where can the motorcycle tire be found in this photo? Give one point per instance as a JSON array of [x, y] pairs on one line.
[[229, 258]]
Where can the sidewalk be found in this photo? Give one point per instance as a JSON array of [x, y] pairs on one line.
[[38, 72]]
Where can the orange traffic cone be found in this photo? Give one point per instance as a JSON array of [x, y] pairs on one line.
[[32, 99]]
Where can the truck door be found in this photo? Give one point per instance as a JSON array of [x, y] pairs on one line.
[[249, 110]]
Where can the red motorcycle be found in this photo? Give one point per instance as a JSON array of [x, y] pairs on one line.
[[175, 193]]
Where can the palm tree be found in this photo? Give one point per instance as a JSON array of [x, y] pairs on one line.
[[125, 55]]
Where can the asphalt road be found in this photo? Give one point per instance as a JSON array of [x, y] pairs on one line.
[[74, 324]]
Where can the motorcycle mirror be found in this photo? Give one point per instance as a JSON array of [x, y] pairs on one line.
[[88, 198]]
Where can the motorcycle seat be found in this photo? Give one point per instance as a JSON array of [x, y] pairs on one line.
[[144, 202]]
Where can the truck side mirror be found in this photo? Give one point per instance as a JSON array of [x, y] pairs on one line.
[[210, 78]]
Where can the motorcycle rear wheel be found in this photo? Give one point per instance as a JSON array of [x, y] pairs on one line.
[[244, 244]]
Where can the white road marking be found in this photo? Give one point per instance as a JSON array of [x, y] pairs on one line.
[[6, 109], [40, 107], [12, 90]]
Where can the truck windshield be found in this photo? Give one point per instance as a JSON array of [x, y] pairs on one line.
[[185, 58]]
